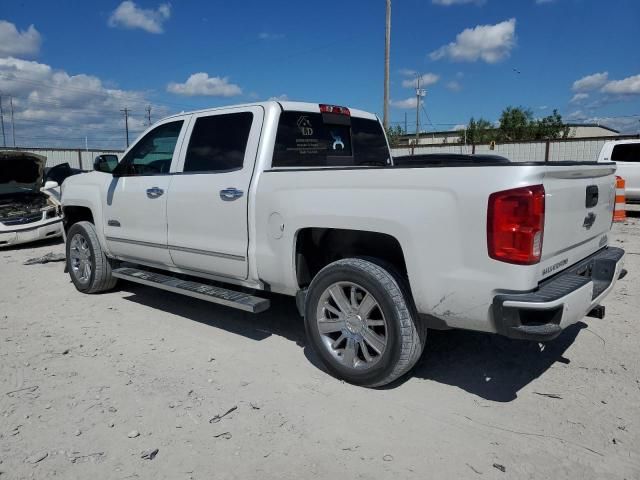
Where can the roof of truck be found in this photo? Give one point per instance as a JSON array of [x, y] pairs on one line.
[[284, 105]]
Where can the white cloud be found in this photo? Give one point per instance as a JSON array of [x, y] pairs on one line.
[[407, 72], [453, 86], [15, 42], [590, 82], [202, 84], [410, 102], [129, 15], [626, 86], [55, 108], [576, 115], [448, 3], [579, 97], [282, 98], [490, 43], [270, 36], [425, 80], [625, 125]]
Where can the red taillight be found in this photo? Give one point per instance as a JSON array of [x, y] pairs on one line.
[[515, 225], [334, 109]]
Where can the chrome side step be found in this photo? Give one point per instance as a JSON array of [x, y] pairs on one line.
[[203, 291]]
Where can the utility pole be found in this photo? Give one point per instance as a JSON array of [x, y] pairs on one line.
[[417, 109], [148, 109], [387, 48], [4, 140], [125, 110], [420, 92], [405, 123], [13, 127]]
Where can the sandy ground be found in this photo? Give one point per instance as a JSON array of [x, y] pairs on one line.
[[80, 375]]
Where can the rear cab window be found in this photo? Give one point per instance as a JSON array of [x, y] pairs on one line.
[[626, 152], [308, 139]]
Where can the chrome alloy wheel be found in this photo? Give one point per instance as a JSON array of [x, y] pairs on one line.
[[351, 325], [80, 255]]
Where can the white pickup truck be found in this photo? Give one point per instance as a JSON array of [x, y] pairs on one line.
[[306, 200], [626, 155]]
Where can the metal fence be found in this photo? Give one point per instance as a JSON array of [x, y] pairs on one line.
[[576, 149], [76, 158]]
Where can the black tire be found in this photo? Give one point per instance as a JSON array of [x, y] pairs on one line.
[[405, 332], [100, 278]]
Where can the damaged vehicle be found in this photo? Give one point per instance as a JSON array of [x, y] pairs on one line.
[[29, 210]]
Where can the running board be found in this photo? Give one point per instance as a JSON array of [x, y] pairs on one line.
[[203, 291]]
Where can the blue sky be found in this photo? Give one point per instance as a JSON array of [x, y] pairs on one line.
[[71, 66]]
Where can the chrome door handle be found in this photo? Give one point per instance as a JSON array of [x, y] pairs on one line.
[[154, 192], [230, 194]]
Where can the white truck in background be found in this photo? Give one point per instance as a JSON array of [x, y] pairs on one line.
[[305, 200], [626, 155]]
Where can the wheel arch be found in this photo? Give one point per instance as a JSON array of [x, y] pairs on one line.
[[316, 247]]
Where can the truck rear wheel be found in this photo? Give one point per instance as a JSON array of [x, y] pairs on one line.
[[361, 322], [87, 264]]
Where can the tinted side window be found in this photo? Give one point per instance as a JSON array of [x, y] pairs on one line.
[[369, 142], [218, 143], [154, 152], [626, 152], [305, 140]]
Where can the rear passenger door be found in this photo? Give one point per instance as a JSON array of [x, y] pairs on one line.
[[207, 203]]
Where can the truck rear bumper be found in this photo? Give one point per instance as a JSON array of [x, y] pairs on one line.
[[560, 301]]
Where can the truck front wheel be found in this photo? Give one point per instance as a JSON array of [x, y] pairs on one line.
[[87, 264], [361, 322]]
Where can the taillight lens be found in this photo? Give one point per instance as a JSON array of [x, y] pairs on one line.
[[515, 225]]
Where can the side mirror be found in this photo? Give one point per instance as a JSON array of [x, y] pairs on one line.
[[49, 184], [105, 163]]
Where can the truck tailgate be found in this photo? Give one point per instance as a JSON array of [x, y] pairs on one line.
[[579, 206]]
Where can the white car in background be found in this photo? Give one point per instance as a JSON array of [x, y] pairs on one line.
[[29, 211], [626, 153]]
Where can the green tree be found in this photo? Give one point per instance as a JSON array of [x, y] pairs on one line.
[[516, 123], [478, 131], [551, 127], [394, 135]]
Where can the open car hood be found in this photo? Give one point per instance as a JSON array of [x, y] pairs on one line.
[[20, 172]]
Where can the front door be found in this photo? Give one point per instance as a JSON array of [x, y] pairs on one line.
[[135, 216], [207, 204]]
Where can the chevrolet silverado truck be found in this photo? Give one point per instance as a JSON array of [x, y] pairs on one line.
[[306, 200]]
